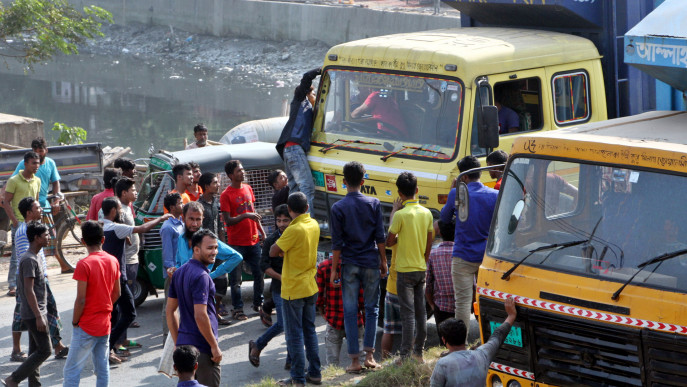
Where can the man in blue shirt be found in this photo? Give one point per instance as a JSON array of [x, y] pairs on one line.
[[193, 219], [471, 235], [192, 292], [358, 240], [170, 232]]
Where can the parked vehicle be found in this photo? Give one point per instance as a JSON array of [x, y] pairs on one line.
[[588, 238], [438, 90], [81, 171], [258, 159]]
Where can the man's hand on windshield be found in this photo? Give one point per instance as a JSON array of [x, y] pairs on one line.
[[509, 305]]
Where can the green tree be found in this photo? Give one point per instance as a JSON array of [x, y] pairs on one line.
[[32, 31], [70, 135]]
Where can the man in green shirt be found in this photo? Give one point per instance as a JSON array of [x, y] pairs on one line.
[[19, 186]]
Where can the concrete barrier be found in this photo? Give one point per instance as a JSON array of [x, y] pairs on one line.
[[270, 20]]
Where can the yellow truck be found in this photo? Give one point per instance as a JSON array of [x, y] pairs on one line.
[[589, 237], [421, 101]]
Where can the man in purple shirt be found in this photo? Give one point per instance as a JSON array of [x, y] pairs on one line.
[[471, 235], [192, 292], [358, 240]]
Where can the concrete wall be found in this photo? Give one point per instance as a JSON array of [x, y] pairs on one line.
[[270, 20], [19, 131]]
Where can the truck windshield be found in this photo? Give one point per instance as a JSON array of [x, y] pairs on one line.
[[621, 213], [154, 187], [390, 112]]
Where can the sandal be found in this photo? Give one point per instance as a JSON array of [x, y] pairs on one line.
[[18, 356], [134, 324], [254, 360], [265, 318], [122, 352], [114, 359], [63, 353], [372, 365], [238, 315], [222, 310], [12, 292], [356, 371], [223, 321], [132, 344]]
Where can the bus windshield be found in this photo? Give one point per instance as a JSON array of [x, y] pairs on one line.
[[622, 216], [409, 115]]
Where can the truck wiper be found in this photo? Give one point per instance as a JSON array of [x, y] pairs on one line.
[[557, 246], [334, 144], [406, 147], [641, 266]]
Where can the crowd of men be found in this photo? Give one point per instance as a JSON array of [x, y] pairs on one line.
[[200, 268]]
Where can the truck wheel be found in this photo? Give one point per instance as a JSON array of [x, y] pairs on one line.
[[140, 291], [69, 248]]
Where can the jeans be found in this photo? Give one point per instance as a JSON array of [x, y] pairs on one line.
[[12, 274], [277, 327], [221, 283], [333, 339], [298, 172], [165, 329], [39, 351], [411, 297], [208, 373], [83, 345], [299, 325], [251, 255], [131, 274], [463, 274], [125, 310], [352, 278]]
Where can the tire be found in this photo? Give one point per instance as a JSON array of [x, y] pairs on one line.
[[140, 291], [69, 248]]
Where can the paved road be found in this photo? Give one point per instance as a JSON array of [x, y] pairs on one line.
[[142, 369]]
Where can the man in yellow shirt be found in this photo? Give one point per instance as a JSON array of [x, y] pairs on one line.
[[298, 244], [411, 228], [23, 184]]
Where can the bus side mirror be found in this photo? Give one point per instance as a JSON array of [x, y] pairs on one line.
[[462, 202], [488, 129]]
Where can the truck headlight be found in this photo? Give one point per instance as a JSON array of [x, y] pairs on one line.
[[496, 381], [513, 383]]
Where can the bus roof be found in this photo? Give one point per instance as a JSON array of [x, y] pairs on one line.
[[654, 139], [475, 51]]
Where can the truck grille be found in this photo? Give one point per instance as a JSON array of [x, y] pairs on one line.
[[151, 240], [257, 179], [665, 358], [580, 352]]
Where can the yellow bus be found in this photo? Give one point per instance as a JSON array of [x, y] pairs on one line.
[[415, 101], [589, 237]]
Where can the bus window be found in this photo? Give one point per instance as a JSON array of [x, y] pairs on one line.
[[571, 98], [519, 104]]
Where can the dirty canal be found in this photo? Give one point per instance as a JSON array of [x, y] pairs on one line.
[[130, 102]]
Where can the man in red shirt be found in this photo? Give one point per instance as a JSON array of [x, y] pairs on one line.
[[97, 288], [97, 200], [330, 305], [244, 232]]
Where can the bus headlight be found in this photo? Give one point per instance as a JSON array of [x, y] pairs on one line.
[[496, 381], [513, 383]]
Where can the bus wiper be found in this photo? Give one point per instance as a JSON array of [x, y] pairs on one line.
[[406, 147], [641, 266], [557, 246], [334, 144]]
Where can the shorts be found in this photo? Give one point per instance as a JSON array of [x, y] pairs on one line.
[[392, 315]]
